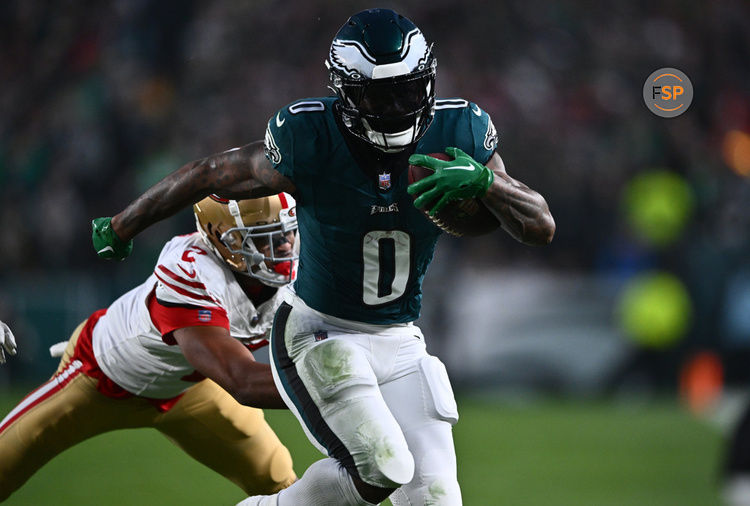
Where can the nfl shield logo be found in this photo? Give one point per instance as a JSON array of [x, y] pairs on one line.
[[384, 181], [320, 335], [204, 315]]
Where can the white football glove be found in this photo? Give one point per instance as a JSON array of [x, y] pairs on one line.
[[7, 342], [58, 349]]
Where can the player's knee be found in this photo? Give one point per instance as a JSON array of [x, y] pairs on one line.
[[280, 469], [334, 368], [388, 463], [269, 476], [337, 373]]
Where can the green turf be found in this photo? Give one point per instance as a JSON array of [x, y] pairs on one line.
[[585, 454], [545, 453]]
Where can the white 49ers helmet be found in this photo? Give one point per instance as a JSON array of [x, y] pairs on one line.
[[255, 237]]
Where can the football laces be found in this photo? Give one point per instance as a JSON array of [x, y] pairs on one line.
[[444, 226]]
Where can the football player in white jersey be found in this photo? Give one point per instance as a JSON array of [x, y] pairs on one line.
[[174, 353]]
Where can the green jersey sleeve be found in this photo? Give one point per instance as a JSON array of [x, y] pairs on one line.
[[294, 136], [484, 134], [278, 143], [462, 124]]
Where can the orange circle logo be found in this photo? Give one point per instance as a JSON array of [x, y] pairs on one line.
[[668, 92]]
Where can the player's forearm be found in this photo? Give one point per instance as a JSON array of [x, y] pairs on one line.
[[237, 173], [256, 388], [220, 357], [522, 212], [165, 198]]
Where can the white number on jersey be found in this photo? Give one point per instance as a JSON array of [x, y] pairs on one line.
[[373, 265]]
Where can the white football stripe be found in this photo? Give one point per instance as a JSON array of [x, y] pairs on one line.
[[451, 104], [40, 392]]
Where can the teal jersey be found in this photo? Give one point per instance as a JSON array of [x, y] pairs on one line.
[[365, 248]]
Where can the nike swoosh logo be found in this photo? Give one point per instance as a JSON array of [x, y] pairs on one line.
[[105, 249], [476, 111], [279, 122], [460, 167], [190, 274]]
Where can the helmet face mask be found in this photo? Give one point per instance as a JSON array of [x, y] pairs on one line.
[[383, 72], [254, 237]]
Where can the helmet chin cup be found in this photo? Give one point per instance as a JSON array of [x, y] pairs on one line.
[[359, 126], [389, 142]]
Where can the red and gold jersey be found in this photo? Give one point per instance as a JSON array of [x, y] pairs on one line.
[[133, 342]]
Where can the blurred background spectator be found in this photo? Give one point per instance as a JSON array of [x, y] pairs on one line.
[[647, 280]]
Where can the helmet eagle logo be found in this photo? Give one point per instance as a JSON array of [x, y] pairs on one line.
[[355, 61]]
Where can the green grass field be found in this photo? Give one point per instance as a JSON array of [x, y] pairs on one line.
[[544, 453]]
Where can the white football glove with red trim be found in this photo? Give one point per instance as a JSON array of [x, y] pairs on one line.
[[7, 342]]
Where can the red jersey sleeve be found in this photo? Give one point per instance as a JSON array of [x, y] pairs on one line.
[[169, 317]]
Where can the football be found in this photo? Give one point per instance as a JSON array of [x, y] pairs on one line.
[[462, 217]]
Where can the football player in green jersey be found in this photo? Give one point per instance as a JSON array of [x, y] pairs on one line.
[[345, 353]]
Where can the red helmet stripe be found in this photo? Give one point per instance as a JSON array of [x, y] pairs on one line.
[[216, 198], [284, 203]]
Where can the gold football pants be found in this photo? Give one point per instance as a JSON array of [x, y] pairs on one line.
[[207, 423]]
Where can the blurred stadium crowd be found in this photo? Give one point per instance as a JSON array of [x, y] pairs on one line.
[[101, 99]]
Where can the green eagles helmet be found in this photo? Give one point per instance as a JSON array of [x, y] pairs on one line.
[[383, 71]]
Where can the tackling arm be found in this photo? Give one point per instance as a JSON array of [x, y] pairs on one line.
[[238, 173], [522, 212], [220, 357]]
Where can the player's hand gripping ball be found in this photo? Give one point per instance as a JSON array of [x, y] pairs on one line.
[[447, 188]]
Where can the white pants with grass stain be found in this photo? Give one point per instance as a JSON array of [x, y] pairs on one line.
[[371, 397]]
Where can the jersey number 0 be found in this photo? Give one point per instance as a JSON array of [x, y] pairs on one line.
[[386, 255]]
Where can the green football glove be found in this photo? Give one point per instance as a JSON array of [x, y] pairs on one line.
[[106, 242], [457, 179]]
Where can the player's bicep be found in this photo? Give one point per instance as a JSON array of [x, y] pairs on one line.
[[245, 172], [267, 175]]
